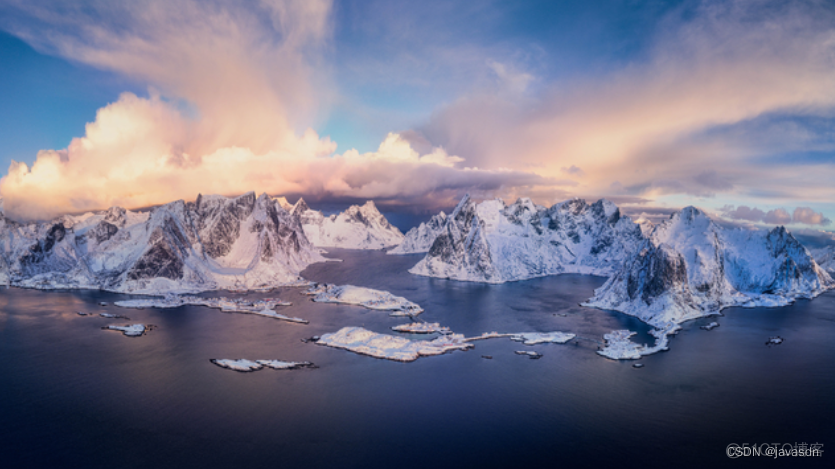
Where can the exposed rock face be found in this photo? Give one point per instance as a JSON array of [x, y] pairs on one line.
[[494, 242], [358, 227], [420, 238], [691, 267], [215, 242]]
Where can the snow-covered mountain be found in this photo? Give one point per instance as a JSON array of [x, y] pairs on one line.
[[358, 227], [212, 243], [825, 257], [690, 267], [494, 242], [282, 201], [420, 238]]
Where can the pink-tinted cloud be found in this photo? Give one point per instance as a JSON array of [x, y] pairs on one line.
[[743, 212], [149, 135], [720, 64], [779, 216], [254, 79], [808, 216], [253, 75]]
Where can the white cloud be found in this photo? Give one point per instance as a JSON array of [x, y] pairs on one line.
[[153, 165], [254, 74], [808, 216]]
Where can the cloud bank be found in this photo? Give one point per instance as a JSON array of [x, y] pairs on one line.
[[720, 104], [676, 121], [151, 168], [779, 216], [236, 88]]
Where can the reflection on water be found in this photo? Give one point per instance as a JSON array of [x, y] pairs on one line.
[[72, 395]]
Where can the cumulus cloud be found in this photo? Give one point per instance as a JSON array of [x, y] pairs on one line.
[[777, 217], [252, 70], [151, 168], [743, 213], [239, 86], [808, 216]]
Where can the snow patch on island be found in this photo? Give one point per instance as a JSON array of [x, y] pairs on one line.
[[527, 338], [532, 338], [227, 305], [365, 342], [389, 347], [244, 365], [133, 330], [422, 328], [112, 316], [366, 297], [620, 347]]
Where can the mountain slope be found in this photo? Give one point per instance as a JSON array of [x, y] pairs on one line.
[[493, 242], [358, 227], [215, 242], [691, 267], [825, 257], [420, 238]]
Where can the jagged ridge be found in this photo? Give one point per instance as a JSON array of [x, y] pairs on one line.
[[691, 267], [495, 243], [825, 257], [214, 242], [420, 238], [358, 227]]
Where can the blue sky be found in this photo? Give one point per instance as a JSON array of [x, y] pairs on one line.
[[655, 105], [46, 100], [553, 40]]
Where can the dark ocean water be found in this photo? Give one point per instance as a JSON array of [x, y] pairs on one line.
[[73, 395]]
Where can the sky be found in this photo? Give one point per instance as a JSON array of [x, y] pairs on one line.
[[726, 105]]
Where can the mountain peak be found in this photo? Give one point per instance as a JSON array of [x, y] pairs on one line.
[[690, 213], [176, 247], [358, 227], [722, 267], [283, 203], [300, 207], [491, 242], [461, 204], [575, 205]]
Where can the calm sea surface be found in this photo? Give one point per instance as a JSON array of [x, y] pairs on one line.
[[73, 395]]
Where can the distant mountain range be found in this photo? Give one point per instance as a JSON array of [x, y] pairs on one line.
[[683, 268], [686, 267]]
